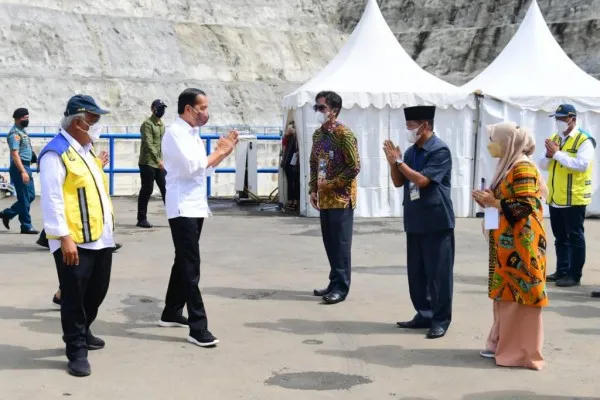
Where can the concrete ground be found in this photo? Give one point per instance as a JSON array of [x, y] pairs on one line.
[[277, 341]]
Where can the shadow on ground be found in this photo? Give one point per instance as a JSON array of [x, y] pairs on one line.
[[307, 327], [260, 294], [399, 357], [139, 311]]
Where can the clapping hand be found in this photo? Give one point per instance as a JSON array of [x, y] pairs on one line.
[[392, 152], [103, 156], [226, 144], [551, 148]]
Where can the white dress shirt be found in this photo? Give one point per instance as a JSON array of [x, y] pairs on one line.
[[580, 163], [186, 164], [52, 177]]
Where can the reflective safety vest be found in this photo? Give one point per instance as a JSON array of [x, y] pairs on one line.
[[568, 187], [84, 211]]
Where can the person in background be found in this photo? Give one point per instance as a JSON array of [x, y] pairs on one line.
[[291, 166], [517, 270], [79, 220], [151, 163], [568, 160], [425, 173], [334, 167], [21, 158], [187, 167]]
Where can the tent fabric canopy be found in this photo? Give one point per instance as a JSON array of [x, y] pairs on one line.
[[373, 70], [535, 73]]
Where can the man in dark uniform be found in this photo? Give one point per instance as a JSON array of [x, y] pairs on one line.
[[425, 172], [21, 158]]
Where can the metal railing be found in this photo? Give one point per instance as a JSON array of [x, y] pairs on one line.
[[112, 137]]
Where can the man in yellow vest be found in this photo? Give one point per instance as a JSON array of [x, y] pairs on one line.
[[78, 220], [568, 160]]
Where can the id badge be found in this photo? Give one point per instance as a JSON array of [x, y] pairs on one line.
[[331, 154], [415, 192]]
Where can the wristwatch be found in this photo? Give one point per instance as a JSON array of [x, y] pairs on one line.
[[399, 162]]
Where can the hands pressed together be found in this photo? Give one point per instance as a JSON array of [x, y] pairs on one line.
[[392, 152], [551, 148], [485, 198], [226, 144]]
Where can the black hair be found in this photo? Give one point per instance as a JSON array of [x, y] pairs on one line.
[[332, 99], [188, 98]]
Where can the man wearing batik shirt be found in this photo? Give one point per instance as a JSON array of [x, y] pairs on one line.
[[334, 166]]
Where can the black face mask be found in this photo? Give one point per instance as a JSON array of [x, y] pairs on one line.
[[159, 113], [24, 123]]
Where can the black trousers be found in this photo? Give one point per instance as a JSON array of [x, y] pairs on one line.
[[149, 175], [185, 274], [336, 228], [293, 183], [83, 288], [567, 227], [430, 265]]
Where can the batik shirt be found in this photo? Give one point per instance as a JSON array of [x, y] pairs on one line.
[[336, 154]]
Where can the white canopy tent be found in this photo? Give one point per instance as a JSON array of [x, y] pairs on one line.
[[376, 79], [526, 83]]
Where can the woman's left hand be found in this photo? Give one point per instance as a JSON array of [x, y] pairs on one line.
[[484, 197]]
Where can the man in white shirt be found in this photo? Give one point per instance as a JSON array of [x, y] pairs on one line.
[[568, 160], [78, 220], [187, 166]]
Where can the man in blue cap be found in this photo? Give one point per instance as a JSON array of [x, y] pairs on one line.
[[21, 158], [78, 220], [568, 160]]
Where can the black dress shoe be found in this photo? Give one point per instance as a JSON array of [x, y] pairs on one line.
[[567, 281], [436, 332], [144, 224], [555, 277], [333, 298], [415, 323], [5, 220], [93, 342], [321, 292], [596, 294], [29, 232], [79, 367], [43, 243]]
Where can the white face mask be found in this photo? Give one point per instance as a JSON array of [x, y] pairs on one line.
[[561, 126], [413, 135], [322, 118], [94, 132]]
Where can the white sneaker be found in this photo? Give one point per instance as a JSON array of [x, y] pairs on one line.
[[487, 354], [203, 339]]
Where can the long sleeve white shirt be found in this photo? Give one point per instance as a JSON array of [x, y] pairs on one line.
[[186, 164], [52, 177], [580, 163]]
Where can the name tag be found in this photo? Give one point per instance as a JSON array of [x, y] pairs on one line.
[[415, 192], [331, 154]]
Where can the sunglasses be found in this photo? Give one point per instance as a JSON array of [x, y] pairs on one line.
[[319, 107]]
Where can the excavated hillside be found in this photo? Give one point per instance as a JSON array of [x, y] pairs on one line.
[[245, 53]]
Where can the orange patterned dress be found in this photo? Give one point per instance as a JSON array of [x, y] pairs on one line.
[[517, 269]]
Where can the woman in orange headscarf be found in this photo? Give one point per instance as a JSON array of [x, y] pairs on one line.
[[517, 270]]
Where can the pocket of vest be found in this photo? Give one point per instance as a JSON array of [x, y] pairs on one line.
[[84, 212]]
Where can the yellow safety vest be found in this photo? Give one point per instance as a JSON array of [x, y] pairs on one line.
[[568, 187], [83, 205]]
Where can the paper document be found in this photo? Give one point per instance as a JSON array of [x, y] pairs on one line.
[[491, 217]]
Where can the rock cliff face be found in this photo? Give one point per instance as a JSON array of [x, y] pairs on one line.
[[246, 53]]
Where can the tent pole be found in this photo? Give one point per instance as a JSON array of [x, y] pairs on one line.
[[478, 99]]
